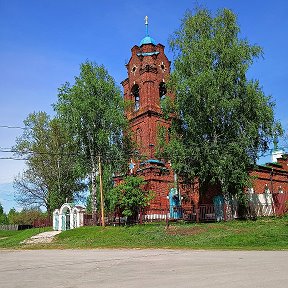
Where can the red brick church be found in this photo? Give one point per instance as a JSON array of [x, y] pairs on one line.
[[148, 70]]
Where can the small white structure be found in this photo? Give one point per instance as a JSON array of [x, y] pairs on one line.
[[262, 203], [276, 153], [68, 217]]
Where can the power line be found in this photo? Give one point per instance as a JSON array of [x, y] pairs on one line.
[[12, 158], [14, 127], [10, 150], [39, 153]]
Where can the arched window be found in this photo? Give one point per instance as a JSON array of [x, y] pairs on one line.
[[136, 96], [162, 91]]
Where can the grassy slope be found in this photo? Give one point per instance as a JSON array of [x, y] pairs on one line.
[[263, 234], [12, 239]]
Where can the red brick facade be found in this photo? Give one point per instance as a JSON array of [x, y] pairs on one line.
[[270, 185], [148, 69], [272, 177]]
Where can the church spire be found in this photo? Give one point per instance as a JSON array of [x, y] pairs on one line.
[[147, 39], [146, 24]]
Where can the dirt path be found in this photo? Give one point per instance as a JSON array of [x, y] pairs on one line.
[[45, 237]]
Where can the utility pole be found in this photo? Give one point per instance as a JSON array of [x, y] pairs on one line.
[[101, 192]]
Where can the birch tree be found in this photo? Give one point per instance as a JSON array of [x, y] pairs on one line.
[[53, 174], [93, 111], [224, 121]]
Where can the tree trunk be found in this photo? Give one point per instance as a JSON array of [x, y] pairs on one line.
[[196, 197], [94, 194]]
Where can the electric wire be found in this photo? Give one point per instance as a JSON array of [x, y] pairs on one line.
[[14, 127], [10, 150], [35, 153]]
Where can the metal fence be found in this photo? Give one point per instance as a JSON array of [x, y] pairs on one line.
[[38, 223], [213, 213], [205, 212], [202, 213], [15, 227]]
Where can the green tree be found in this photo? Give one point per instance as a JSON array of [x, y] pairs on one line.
[[93, 111], [223, 119], [26, 216], [1, 209], [12, 214], [3, 216], [130, 196], [108, 183], [53, 173]]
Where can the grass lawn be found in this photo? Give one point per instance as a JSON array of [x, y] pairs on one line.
[[263, 234], [12, 239]]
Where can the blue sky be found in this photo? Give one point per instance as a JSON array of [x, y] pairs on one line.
[[42, 44]]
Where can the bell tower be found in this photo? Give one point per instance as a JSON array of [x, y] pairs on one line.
[[144, 89]]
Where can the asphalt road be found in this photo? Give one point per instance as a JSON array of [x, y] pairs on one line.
[[142, 268]]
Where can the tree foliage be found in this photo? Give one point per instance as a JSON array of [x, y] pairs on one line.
[[53, 173], [130, 196], [223, 119], [26, 216], [107, 182], [1, 209], [3, 216], [93, 112]]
